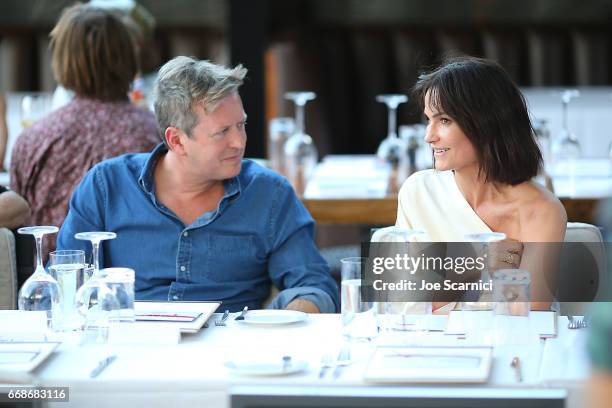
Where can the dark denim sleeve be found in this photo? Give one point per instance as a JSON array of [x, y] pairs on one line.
[[85, 213], [295, 265]]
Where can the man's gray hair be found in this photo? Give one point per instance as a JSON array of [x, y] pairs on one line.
[[184, 82]]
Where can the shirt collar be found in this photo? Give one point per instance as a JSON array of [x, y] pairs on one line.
[[146, 179]]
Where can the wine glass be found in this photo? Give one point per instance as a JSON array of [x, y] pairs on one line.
[[41, 291], [300, 152], [90, 293], [392, 149], [33, 107], [403, 313], [566, 146], [279, 130], [95, 237]]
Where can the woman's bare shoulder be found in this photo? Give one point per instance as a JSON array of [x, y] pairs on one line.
[[542, 215]]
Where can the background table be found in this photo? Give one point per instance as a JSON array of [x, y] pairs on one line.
[[370, 203]]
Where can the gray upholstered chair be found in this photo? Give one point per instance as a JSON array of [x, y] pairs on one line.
[[8, 270], [584, 268]]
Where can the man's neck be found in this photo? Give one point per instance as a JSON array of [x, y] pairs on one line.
[[172, 177]]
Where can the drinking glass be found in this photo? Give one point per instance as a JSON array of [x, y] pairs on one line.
[[90, 290], [33, 107], [300, 152], [120, 282], [542, 132], [279, 130], [484, 240], [392, 149], [40, 292], [419, 155], [95, 237], [566, 148], [512, 306], [114, 289], [400, 314], [67, 267], [359, 320]]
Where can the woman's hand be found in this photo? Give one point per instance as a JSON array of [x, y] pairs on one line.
[[505, 255]]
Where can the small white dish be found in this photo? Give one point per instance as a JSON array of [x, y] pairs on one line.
[[273, 317], [265, 368]]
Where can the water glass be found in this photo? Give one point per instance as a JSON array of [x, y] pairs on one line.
[[359, 317], [120, 283], [512, 326], [511, 292], [67, 267], [105, 301]]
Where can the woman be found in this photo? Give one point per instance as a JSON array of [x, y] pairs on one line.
[[93, 56], [485, 156]]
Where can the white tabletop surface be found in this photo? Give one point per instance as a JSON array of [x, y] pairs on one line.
[[193, 371]]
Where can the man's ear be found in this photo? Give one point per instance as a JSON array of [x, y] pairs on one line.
[[174, 139]]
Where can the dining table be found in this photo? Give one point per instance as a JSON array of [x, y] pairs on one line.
[[355, 189], [198, 370]]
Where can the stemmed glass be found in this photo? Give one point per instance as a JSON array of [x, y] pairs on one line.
[[300, 152], [404, 314], [392, 149], [41, 291], [566, 144], [95, 237], [89, 293]]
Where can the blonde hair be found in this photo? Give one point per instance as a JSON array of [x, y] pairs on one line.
[[184, 82]]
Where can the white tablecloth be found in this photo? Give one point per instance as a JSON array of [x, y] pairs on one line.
[[193, 372]]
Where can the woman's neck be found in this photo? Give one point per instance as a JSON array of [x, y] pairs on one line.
[[475, 189]]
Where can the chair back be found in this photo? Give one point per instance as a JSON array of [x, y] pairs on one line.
[[583, 269], [8, 270]]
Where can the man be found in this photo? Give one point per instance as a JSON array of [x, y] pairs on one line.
[[195, 220]]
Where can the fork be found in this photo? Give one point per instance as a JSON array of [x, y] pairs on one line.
[[327, 362], [221, 322], [344, 359], [241, 317], [576, 323]]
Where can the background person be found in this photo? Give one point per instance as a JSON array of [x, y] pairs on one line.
[[14, 210], [93, 56]]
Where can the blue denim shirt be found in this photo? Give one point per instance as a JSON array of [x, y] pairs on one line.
[[260, 233]]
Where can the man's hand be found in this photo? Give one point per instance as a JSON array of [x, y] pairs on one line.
[[303, 306]]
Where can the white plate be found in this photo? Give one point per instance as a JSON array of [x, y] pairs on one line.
[[261, 368], [273, 317]]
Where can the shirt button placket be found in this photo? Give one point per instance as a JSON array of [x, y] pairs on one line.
[[184, 250]]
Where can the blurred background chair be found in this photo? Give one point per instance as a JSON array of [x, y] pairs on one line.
[[8, 270], [583, 271]]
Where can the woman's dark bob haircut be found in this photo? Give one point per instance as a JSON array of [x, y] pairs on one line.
[[486, 104]]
